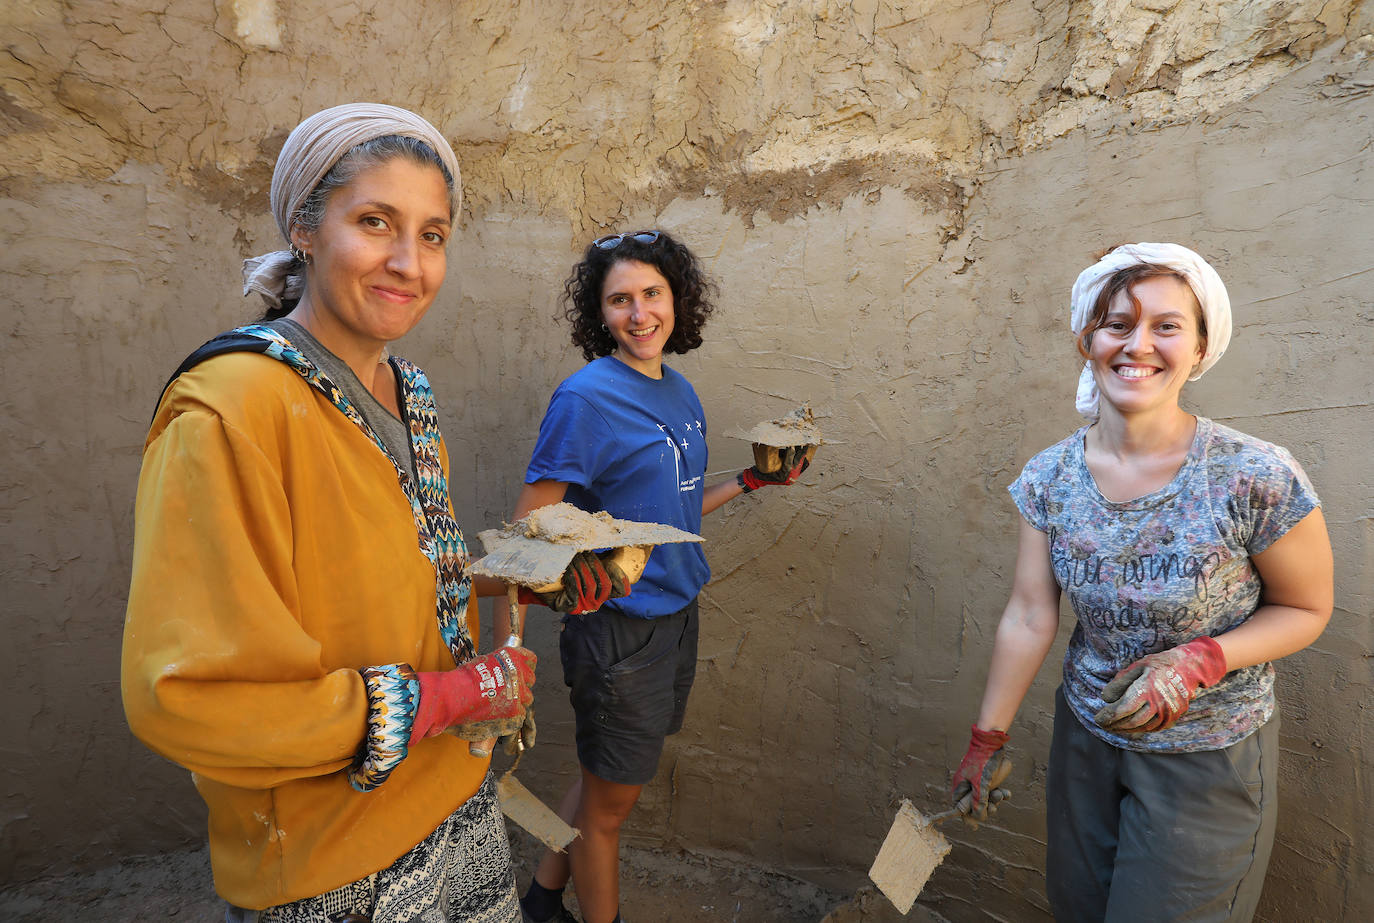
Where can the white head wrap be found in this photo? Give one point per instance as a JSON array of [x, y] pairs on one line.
[[314, 146], [1202, 279]]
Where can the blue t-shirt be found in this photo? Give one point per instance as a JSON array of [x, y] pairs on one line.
[[1155, 572], [635, 447]]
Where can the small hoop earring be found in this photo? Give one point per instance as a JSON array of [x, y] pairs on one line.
[[299, 255], [605, 329]]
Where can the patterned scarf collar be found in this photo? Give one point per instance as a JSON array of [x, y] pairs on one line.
[[440, 539]]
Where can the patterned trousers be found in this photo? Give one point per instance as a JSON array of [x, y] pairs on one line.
[[460, 873]]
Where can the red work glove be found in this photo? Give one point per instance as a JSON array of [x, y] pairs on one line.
[[974, 790], [487, 688], [587, 583], [794, 462], [1151, 694]]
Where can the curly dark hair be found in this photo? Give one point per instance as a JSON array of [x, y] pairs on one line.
[[692, 292]]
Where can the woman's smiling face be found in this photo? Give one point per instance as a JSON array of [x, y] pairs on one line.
[[378, 258], [637, 309], [1142, 362]]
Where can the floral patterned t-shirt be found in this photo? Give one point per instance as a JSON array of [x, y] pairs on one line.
[[1152, 573]]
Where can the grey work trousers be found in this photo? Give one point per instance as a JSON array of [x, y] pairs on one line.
[[1156, 837]]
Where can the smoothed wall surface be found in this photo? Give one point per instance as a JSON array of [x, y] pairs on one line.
[[894, 199]]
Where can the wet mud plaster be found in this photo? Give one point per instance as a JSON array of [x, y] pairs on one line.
[[797, 427], [534, 550], [565, 524]]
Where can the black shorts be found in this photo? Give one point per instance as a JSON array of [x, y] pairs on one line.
[[630, 679]]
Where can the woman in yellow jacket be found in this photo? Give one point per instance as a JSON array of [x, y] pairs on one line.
[[298, 632]]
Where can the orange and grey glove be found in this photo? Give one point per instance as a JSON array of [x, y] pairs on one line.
[[588, 582], [794, 460], [974, 791], [492, 687], [1152, 693]]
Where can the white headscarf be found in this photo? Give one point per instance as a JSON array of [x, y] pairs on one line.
[[1202, 279], [314, 146]]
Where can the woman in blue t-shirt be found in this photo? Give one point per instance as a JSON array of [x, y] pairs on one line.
[[627, 434], [1193, 555]]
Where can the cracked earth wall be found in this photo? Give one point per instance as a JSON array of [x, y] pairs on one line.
[[895, 199]]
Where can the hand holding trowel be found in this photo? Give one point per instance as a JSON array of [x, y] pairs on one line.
[[585, 584], [914, 848], [783, 448], [517, 732], [569, 560], [539, 556]]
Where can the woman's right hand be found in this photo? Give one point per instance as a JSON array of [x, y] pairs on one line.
[[492, 687], [792, 461], [975, 790], [587, 582]]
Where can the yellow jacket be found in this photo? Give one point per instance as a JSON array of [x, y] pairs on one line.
[[275, 556]]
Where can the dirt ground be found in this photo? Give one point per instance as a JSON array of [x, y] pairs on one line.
[[657, 887]]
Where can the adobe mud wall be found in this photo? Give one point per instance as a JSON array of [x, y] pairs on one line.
[[895, 199]]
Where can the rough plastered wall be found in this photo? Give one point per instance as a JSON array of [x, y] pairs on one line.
[[894, 197]]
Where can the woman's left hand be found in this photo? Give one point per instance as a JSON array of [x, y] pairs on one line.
[[794, 460], [1152, 693]]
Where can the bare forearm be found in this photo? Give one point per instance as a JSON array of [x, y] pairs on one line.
[[717, 495], [1025, 633], [1022, 642], [1270, 633], [1296, 601], [487, 586]]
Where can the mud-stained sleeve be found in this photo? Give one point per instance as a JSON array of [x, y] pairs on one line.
[[217, 674]]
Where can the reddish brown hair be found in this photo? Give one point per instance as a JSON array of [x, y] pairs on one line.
[[1124, 280]]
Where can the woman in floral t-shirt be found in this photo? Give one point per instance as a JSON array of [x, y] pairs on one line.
[[1193, 556]]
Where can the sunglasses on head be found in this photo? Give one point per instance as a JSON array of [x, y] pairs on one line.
[[611, 241]]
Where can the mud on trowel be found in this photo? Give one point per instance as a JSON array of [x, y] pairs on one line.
[[771, 438], [533, 552], [914, 847]]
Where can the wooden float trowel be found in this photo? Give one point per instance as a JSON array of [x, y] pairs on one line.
[[534, 552], [914, 847], [772, 438]]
